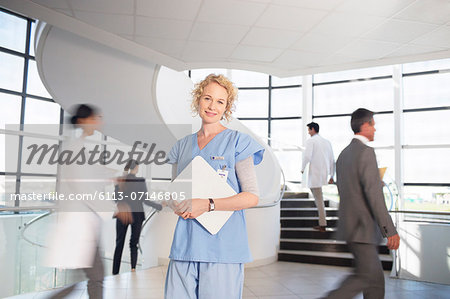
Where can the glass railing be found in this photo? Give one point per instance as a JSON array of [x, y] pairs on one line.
[[23, 233]]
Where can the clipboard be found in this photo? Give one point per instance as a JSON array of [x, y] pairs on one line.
[[200, 180], [382, 171]]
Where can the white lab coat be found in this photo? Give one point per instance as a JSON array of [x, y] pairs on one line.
[[319, 154], [73, 239]]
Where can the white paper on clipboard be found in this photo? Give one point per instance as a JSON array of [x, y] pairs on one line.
[[205, 183]]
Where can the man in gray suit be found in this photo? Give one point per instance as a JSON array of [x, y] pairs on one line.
[[363, 217]]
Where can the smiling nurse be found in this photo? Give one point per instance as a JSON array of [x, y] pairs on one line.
[[203, 265]]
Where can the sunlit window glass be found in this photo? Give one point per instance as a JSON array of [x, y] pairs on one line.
[[12, 32]]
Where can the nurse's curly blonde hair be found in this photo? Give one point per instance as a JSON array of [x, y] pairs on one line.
[[222, 81]]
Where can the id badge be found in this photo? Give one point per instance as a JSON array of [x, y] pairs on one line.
[[223, 173]]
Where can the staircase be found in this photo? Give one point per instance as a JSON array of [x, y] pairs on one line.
[[299, 242]]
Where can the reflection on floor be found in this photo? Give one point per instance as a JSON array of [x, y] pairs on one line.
[[280, 280]]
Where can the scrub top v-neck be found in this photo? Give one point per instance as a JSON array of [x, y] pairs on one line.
[[196, 140], [192, 242]]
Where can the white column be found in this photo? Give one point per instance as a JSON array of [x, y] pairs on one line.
[[307, 109], [398, 130]]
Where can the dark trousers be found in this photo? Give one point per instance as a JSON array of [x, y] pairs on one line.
[[368, 276], [95, 276], [121, 232]]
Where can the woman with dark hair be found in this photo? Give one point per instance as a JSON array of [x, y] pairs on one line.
[[130, 187], [74, 242]]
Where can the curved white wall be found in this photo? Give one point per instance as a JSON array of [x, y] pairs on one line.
[[78, 70]]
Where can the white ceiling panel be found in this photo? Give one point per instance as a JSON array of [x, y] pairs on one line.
[[61, 4], [429, 11], [312, 4], [337, 59], [414, 50], [438, 38], [230, 12], [162, 28], [281, 37], [219, 33], [170, 9], [292, 59], [104, 6], [320, 43], [167, 46], [250, 53], [347, 24], [290, 18], [382, 8], [274, 38], [118, 24], [67, 12], [369, 49], [259, 1], [197, 51], [400, 31]]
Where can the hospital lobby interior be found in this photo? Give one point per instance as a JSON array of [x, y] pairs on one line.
[[294, 62]]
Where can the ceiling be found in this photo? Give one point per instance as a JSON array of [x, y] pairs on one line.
[[280, 37]]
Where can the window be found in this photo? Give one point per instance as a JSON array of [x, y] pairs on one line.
[[34, 84], [38, 108], [252, 103], [286, 102], [342, 98], [13, 32], [427, 127], [431, 90], [353, 74], [249, 79], [11, 72]]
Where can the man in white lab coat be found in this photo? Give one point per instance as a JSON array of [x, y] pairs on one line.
[[319, 154]]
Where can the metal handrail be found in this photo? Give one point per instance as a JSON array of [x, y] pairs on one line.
[[420, 212], [147, 219], [19, 209], [28, 224]]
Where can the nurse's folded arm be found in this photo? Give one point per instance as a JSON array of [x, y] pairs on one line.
[[241, 201]]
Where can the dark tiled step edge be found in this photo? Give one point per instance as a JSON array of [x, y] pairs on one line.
[[320, 245], [306, 221], [301, 203], [306, 233], [295, 194], [333, 259], [306, 212]]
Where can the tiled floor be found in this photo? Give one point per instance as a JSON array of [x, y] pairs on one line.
[[280, 280]]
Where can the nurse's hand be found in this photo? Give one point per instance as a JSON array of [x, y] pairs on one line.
[[199, 206], [183, 208]]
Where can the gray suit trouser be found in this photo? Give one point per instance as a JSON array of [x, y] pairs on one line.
[[95, 281], [318, 199], [368, 276]]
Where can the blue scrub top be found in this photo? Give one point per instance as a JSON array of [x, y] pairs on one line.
[[191, 241]]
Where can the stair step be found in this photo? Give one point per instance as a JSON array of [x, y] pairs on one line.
[[315, 241], [343, 255], [306, 221], [326, 258], [301, 203], [306, 232], [308, 209], [295, 194], [305, 212], [320, 245]]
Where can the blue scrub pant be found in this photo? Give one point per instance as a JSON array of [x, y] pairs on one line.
[[199, 280]]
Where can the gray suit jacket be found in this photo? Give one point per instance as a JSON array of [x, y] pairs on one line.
[[362, 210]]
